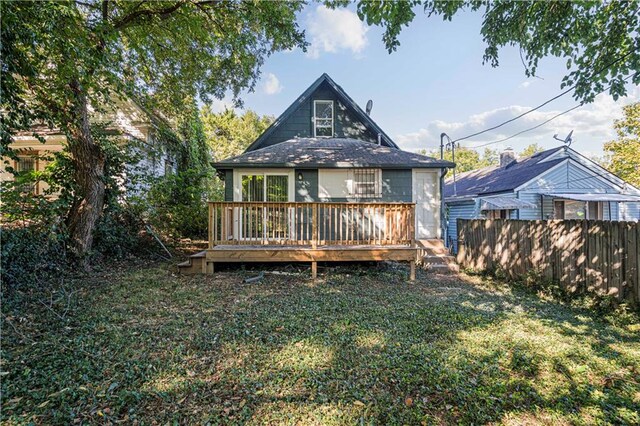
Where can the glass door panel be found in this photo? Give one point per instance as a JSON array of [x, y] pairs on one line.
[[251, 217], [277, 217]]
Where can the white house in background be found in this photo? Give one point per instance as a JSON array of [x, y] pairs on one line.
[[559, 183], [128, 119]]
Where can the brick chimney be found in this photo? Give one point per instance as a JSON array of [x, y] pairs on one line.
[[507, 156]]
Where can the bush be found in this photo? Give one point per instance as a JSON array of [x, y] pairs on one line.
[[177, 204], [31, 257]]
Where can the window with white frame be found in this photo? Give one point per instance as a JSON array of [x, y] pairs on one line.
[[322, 118], [25, 165], [367, 183]]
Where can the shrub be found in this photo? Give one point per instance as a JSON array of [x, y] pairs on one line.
[[30, 257], [177, 204]]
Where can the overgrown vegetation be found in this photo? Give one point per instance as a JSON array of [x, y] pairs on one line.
[[359, 346], [34, 233], [607, 307]]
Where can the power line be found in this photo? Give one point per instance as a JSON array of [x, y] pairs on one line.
[[517, 117], [546, 102], [544, 122], [531, 128]]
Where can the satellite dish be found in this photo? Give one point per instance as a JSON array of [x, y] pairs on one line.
[[567, 141], [369, 106]]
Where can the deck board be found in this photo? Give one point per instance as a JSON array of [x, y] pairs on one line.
[[337, 253]]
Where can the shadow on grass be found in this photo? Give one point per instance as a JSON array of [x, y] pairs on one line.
[[359, 344]]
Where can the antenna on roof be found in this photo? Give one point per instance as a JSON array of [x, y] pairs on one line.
[[369, 106], [567, 141]]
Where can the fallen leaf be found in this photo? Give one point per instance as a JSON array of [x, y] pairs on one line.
[[408, 402], [358, 403]]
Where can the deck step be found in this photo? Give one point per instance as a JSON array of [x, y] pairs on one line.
[[438, 260], [432, 248], [193, 265], [443, 269]]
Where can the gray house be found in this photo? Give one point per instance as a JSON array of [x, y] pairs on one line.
[[324, 148], [559, 183]]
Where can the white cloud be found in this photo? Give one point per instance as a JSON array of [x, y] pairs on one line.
[[271, 85], [335, 30], [592, 125], [219, 105], [525, 84]]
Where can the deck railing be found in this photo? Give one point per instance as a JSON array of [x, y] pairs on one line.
[[314, 224]]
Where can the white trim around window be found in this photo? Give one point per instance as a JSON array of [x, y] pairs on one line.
[[237, 180], [315, 119]]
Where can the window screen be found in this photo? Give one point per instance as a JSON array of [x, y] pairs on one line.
[[366, 183], [323, 118], [24, 165], [278, 188], [574, 209], [252, 188]]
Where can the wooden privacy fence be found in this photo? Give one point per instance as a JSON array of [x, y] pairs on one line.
[[290, 223], [598, 256]]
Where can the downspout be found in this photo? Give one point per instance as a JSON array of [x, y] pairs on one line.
[[443, 171]]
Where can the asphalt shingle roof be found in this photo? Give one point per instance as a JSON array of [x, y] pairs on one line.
[[330, 153], [495, 179]]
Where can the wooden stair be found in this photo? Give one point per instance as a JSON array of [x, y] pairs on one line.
[[193, 265], [435, 257]]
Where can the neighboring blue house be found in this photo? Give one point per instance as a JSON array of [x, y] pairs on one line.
[[558, 183]]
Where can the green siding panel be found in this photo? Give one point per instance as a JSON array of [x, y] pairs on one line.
[[300, 124], [228, 185]]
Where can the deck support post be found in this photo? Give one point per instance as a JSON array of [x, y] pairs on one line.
[[210, 268], [314, 270], [412, 270]]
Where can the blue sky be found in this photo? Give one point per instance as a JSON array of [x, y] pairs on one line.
[[434, 82]]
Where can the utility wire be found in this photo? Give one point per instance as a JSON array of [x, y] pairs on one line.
[[546, 102], [531, 128], [544, 122]]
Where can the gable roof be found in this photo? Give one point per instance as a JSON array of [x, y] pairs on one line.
[[341, 95], [496, 179], [331, 153]]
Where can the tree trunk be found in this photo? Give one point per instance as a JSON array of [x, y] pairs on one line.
[[89, 161]]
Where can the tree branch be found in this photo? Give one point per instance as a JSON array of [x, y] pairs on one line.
[[105, 10], [132, 18]]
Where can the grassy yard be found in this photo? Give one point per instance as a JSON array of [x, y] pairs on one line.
[[359, 346]]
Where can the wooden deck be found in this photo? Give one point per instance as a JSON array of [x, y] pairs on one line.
[[307, 232]]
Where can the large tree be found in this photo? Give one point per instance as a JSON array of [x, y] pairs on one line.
[[599, 40], [624, 152], [229, 133], [62, 58]]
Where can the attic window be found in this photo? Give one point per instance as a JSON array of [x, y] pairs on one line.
[[322, 118]]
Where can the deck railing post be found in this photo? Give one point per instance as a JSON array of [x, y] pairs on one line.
[[211, 219], [314, 226]]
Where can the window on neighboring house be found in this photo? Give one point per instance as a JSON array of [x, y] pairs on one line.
[[367, 183], [322, 118], [569, 209], [169, 167], [498, 214], [25, 165], [594, 210]]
